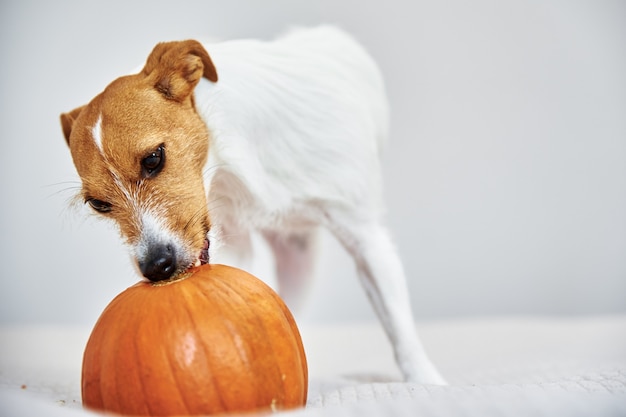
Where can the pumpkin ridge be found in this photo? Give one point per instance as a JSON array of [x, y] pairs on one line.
[[182, 397], [137, 355], [224, 310], [214, 383], [127, 324], [168, 359], [261, 324], [122, 328], [297, 339], [88, 359], [96, 339], [149, 325], [143, 387]]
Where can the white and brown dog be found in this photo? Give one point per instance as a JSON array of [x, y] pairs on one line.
[[286, 141]]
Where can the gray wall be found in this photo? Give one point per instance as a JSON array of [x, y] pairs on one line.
[[506, 173]]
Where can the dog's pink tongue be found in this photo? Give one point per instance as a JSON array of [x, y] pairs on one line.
[[204, 253]]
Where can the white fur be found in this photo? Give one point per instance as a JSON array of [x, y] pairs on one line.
[[154, 232], [296, 126]]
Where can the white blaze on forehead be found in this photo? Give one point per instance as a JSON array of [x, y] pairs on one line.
[[96, 133]]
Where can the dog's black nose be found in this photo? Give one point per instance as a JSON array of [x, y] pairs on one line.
[[160, 263]]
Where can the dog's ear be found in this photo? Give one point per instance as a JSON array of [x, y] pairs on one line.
[[175, 68], [67, 122]]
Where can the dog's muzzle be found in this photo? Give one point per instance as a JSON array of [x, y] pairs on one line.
[[162, 262]]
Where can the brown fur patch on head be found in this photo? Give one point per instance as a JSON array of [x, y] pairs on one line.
[[174, 68]]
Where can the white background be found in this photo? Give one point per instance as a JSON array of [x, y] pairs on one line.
[[505, 174]]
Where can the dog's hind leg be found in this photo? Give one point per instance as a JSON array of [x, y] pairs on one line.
[[382, 276], [295, 254]]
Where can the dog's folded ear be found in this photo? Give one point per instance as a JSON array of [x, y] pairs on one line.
[[67, 121], [175, 68]]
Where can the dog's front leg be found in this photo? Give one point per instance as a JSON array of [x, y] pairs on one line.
[[382, 276]]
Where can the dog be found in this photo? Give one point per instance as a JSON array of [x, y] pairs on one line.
[[281, 137]]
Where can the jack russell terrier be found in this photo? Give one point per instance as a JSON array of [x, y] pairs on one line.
[[286, 141]]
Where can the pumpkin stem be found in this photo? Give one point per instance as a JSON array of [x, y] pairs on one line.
[[175, 278]]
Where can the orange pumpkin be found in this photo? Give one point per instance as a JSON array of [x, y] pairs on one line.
[[214, 340]]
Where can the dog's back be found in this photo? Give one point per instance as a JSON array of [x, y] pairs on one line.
[[296, 120]]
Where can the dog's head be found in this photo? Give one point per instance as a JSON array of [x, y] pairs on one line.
[[140, 148]]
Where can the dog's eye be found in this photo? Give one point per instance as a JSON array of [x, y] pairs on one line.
[[99, 205], [152, 164]]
